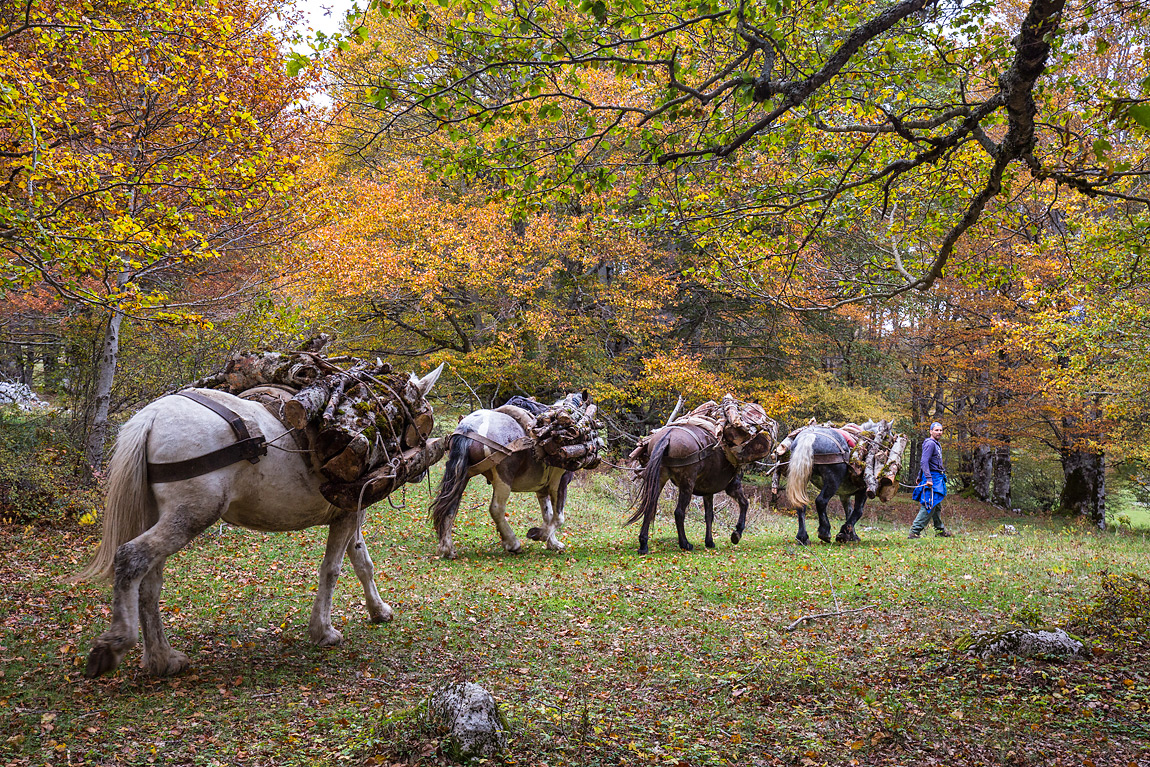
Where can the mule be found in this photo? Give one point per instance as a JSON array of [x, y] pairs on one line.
[[145, 523], [484, 444], [690, 458], [824, 451]]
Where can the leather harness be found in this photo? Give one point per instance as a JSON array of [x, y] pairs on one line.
[[698, 456], [499, 452], [246, 447]]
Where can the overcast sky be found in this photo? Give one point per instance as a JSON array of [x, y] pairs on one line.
[[324, 15]]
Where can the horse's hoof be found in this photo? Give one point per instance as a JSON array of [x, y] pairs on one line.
[[330, 638], [101, 660], [803, 541], [642, 550], [535, 533], [825, 538], [382, 615], [710, 544], [556, 546], [175, 663], [687, 546], [447, 553], [735, 537]]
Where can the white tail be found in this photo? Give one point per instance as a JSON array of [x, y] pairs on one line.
[[799, 469], [129, 508]]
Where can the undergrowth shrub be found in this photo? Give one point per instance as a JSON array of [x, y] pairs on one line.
[[41, 476], [1119, 612]]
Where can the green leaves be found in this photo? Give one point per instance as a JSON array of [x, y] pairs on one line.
[[1140, 113]]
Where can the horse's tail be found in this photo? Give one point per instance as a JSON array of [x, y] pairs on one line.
[[799, 470], [452, 485], [649, 481], [129, 506]]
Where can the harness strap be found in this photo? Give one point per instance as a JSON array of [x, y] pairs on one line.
[[246, 447], [686, 460], [498, 454], [237, 423], [698, 456]]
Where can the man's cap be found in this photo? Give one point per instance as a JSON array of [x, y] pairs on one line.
[[935, 425]]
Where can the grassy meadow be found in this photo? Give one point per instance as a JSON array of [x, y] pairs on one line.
[[597, 656]]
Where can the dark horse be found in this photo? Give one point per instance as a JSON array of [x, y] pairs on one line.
[[690, 457], [825, 451]]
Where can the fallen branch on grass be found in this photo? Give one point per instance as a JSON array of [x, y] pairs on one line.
[[809, 618]]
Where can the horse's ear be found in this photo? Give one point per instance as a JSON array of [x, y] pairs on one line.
[[424, 384], [586, 397]]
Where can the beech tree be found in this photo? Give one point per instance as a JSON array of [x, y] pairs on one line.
[[755, 128], [144, 145]]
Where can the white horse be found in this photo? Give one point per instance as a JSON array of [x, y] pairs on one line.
[[485, 443], [147, 522]]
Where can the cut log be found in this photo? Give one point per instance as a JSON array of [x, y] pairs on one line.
[[377, 485], [416, 432], [307, 405], [888, 474], [350, 462]]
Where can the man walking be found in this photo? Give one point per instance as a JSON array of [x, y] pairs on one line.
[[931, 486]]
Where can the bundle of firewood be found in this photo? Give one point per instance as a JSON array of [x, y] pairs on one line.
[[742, 430], [884, 462], [367, 427], [568, 438], [745, 432]]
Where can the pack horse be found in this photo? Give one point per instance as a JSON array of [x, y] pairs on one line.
[[149, 517], [505, 446], [852, 462], [701, 453]]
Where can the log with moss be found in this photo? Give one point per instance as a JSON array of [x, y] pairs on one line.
[[362, 420]]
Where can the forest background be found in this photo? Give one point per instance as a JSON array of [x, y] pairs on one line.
[[908, 210]]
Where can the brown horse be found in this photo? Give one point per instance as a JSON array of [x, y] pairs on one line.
[[691, 458]]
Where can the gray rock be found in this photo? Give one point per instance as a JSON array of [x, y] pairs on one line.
[[472, 720], [1026, 643]]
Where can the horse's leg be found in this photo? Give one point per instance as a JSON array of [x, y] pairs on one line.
[[551, 502], [856, 515], [559, 504], [360, 557], [685, 495], [844, 534], [500, 492], [830, 489], [709, 518], [340, 534], [735, 490], [802, 537], [134, 561], [159, 658]]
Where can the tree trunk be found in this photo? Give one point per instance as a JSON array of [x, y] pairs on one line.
[[1085, 490], [1002, 473], [105, 374], [965, 453], [981, 454], [51, 369]]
